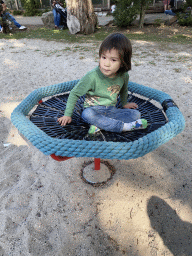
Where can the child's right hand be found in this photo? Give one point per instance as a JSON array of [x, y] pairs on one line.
[[64, 120]]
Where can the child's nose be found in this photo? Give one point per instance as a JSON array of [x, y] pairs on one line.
[[107, 62]]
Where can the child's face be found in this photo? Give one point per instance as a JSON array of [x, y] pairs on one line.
[[110, 63]]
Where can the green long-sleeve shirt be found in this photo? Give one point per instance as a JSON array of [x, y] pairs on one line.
[[99, 90]]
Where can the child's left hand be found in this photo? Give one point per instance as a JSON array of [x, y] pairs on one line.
[[131, 105]]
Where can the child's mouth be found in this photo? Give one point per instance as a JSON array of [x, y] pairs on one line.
[[105, 70]]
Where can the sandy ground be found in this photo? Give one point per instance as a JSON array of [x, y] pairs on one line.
[[46, 208]]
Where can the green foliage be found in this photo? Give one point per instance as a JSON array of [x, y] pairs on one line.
[[125, 12], [18, 12], [30, 7], [184, 19], [189, 3], [157, 22], [36, 12], [145, 3]]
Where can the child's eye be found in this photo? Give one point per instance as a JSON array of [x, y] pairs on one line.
[[114, 60]]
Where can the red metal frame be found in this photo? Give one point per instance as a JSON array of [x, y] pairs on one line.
[[97, 161], [60, 158]]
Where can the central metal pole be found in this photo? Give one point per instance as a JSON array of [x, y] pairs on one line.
[[97, 163]]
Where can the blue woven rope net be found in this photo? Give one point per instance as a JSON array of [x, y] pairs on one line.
[[44, 132]]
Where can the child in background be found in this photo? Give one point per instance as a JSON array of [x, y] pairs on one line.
[[102, 86]]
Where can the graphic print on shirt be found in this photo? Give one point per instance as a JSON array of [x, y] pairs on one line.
[[114, 89], [92, 100]]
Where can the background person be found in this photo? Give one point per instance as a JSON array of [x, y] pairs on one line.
[[6, 15], [171, 8], [59, 14]]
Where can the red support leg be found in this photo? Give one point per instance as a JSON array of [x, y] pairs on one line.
[[60, 158], [97, 163]]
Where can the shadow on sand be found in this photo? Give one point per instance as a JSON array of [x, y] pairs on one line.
[[176, 234]]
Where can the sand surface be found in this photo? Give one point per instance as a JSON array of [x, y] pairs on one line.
[[47, 209]]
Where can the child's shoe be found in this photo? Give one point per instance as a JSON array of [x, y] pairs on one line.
[[93, 129], [139, 124], [22, 28], [136, 125]]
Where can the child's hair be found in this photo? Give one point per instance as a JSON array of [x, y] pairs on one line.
[[123, 45]]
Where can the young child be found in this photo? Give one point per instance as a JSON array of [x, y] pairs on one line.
[[102, 86]]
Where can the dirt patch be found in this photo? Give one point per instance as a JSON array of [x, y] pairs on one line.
[[15, 29], [163, 30]]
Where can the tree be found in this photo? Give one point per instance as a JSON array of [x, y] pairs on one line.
[[125, 12], [184, 17], [142, 6], [189, 4], [81, 17], [17, 4], [30, 6]]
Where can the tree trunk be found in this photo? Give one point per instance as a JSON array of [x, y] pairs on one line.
[[17, 4], [41, 4], [81, 17], [142, 16]]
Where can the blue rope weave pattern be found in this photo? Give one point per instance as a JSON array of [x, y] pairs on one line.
[[97, 149]]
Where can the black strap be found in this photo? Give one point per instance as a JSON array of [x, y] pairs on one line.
[[168, 103]]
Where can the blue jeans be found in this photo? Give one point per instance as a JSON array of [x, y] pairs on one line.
[[57, 17], [8, 16], [109, 118], [170, 12]]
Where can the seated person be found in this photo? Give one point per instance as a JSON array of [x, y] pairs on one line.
[[171, 10], [8, 16], [59, 13]]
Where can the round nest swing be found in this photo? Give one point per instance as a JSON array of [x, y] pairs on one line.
[[45, 133]]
